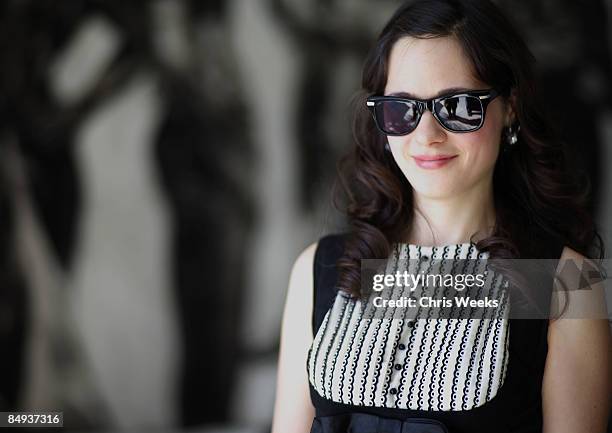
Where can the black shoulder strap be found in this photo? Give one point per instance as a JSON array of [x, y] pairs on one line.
[[325, 273], [529, 336]]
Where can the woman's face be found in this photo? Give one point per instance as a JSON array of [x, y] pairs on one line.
[[425, 68]]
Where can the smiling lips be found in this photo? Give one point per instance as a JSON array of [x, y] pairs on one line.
[[433, 161]]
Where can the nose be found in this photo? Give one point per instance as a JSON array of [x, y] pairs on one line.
[[429, 131]]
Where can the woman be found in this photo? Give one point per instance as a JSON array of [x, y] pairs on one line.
[[452, 158]]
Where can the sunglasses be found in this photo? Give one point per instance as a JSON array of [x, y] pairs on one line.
[[457, 112]]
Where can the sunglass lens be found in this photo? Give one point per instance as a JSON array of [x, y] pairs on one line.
[[396, 117], [460, 113]]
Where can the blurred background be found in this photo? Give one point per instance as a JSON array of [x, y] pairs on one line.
[[163, 163]]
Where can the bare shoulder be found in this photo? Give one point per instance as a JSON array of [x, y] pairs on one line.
[[571, 254], [303, 265], [587, 303], [582, 270], [301, 280], [578, 373], [299, 293]]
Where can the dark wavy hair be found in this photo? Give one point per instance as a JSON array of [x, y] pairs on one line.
[[537, 198]]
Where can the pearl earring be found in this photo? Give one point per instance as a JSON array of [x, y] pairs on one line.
[[512, 134]]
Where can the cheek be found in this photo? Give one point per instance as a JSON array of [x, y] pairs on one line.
[[398, 145], [481, 147]]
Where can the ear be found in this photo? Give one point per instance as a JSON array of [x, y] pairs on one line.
[[510, 113]]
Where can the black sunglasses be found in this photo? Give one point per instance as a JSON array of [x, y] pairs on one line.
[[457, 112]]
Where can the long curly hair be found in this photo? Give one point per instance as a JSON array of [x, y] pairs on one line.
[[537, 197]]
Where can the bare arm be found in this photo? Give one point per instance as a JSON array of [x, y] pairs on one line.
[[578, 378], [293, 410]]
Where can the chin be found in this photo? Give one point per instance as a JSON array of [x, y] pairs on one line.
[[434, 191]]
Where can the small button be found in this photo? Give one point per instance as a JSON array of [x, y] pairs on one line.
[[398, 366], [425, 257], [401, 346], [411, 324], [393, 391]]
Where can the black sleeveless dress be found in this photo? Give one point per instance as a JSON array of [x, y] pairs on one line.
[[426, 377]]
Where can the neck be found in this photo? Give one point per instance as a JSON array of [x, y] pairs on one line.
[[453, 220]]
